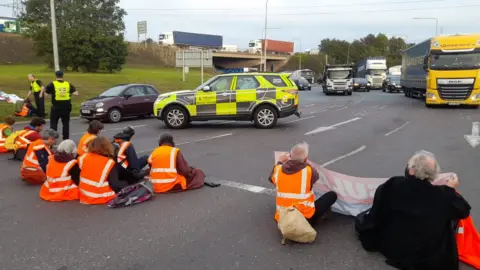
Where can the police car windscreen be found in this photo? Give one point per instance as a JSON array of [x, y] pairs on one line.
[[339, 74]]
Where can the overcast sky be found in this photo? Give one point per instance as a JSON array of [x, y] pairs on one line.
[[304, 21]]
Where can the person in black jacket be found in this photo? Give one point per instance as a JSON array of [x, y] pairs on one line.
[[412, 222], [129, 165]]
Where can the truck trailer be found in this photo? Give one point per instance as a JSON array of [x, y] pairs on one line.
[[187, 40], [338, 79], [373, 69], [273, 46], [444, 70]]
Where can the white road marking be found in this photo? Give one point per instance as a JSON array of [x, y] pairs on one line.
[[343, 108], [195, 141], [321, 129], [375, 106], [111, 129], [356, 102], [397, 129], [383, 107], [344, 156], [301, 119], [309, 105]]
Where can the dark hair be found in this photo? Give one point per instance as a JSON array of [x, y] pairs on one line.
[[37, 121], [9, 120], [101, 146], [166, 138], [129, 131], [28, 101], [94, 127], [59, 74]]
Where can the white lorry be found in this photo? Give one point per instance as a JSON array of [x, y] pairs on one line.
[[374, 69], [338, 79]]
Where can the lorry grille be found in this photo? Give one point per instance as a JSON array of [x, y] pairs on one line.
[[377, 80], [339, 85], [455, 92]]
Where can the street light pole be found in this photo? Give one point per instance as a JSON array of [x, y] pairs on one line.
[[54, 36], [265, 43], [300, 62], [436, 22]]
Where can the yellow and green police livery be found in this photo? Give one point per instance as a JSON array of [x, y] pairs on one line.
[[258, 97]]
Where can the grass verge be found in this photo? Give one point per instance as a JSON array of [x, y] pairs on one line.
[[13, 80]]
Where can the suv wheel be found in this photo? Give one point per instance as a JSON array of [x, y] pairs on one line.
[[114, 115], [176, 117], [265, 117]]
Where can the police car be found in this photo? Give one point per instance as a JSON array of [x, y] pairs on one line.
[[258, 97]]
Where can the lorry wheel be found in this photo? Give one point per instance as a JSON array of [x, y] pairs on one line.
[[349, 93]]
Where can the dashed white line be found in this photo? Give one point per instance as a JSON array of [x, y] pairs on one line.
[[301, 119], [383, 107], [110, 129], [397, 129], [343, 108], [322, 129], [309, 105], [195, 141], [356, 102], [346, 122], [344, 156]]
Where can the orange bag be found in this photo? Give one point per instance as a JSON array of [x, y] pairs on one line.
[[468, 242]]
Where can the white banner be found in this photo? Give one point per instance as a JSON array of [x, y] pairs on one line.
[[355, 194]]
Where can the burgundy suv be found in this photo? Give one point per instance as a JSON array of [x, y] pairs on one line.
[[121, 101]]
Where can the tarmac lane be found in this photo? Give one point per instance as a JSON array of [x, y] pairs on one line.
[[232, 226]]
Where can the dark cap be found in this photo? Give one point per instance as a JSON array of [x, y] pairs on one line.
[[129, 131], [59, 74]]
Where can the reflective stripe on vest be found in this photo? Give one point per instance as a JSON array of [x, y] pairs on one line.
[[121, 157], [30, 159], [24, 112], [62, 90], [163, 172], [94, 187], [59, 185], [35, 86], [294, 190], [83, 143], [21, 141]]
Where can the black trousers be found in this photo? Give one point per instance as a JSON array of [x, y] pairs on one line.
[[322, 205], [63, 114], [40, 104]]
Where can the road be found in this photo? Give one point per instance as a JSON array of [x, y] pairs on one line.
[[233, 228]]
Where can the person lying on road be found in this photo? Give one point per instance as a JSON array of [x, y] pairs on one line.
[[412, 222], [128, 164], [63, 174], [294, 178], [169, 171], [27, 109], [94, 128], [5, 131], [36, 159], [99, 180]]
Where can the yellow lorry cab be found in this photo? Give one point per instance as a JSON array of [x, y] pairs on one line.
[[258, 97], [445, 70]]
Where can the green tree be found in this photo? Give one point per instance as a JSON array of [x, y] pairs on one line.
[[90, 33]]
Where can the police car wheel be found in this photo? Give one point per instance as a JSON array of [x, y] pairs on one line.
[[114, 115], [176, 117], [265, 117]]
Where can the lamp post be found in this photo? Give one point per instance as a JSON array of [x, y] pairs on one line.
[[54, 35], [265, 37], [300, 62], [264, 53], [425, 18]]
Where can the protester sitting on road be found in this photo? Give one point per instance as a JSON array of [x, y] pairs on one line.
[[36, 159], [30, 134], [169, 170], [27, 109], [412, 222], [128, 164], [94, 128], [63, 174], [5, 131], [98, 179], [294, 178]]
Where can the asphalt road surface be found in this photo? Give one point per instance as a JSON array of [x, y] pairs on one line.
[[228, 227]]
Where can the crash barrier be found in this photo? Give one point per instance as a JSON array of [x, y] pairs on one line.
[[355, 194]]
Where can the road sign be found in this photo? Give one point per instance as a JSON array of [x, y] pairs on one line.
[[141, 27], [193, 58]]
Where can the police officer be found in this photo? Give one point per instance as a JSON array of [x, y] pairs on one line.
[[61, 92], [37, 88]]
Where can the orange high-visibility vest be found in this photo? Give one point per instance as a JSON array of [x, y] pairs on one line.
[[59, 185], [24, 112], [163, 172], [30, 159], [94, 188], [21, 141], [2, 138], [121, 157], [468, 242], [84, 141], [294, 190]]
